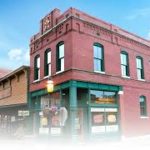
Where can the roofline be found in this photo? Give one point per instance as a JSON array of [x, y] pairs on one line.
[[14, 72], [130, 35]]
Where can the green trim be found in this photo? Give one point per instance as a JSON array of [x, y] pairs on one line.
[[78, 84]]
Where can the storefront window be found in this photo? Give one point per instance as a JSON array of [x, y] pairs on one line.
[[103, 97], [104, 120]]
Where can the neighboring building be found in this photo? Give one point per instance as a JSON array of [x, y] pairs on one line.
[[13, 100], [101, 76]]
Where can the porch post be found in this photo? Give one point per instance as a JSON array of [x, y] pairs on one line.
[[73, 109]]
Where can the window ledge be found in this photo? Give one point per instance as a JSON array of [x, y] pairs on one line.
[[59, 72], [144, 117], [36, 80], [101, 72], [45, 77], [127, 77], [142, 80]]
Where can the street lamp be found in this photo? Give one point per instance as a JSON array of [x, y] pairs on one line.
[[50, 86]]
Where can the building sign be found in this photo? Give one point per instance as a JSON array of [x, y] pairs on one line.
[[105, 100], [55, 131], [98, 129], [98, 118], [112, 128], [43, 130], [97, 109], [23, 113], [5, 93]]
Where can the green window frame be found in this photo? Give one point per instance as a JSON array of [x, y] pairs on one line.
[[37, 67], [143, 106], [60, 50], [98, 51], [139, 67], [47, 63], [124, 64]]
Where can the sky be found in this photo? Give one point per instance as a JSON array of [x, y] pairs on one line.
[[20, 19]]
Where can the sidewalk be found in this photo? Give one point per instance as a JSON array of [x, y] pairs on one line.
[[34, 143]]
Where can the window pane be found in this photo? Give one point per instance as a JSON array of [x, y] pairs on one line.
[[139, 74], [49, 57], [123, 70], [98, 52], [97, 65], [143, 109], [124, 59], [38, 73], [142, 99], [49, 69], [38, 62], [61, 51], [95, 51], [62, 64], [139, 63]]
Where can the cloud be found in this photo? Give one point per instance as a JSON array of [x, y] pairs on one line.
[[15, 54], [138, 13], [18, 56]]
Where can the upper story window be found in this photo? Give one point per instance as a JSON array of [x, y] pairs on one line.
[[139, 67], [37, 67], [47, 63], [143, 106], [60, 57], [98, 57], [124, 64]]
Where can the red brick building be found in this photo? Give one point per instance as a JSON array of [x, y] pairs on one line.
[[101, 77]]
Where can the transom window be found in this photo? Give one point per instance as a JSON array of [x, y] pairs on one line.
[[60, 57], [143, 106], [37, 68], [139, 67], [98, 57], [47, 65], [124, 64], [103, 97]]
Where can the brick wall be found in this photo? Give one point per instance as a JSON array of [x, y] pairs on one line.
[[13, 90]]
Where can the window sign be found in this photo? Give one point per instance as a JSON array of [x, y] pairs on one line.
[[104, 121]]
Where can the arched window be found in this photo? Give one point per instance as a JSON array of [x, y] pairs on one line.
[[139, 67], [124, 64], [98, 57], [60, 57], [37, 67], [143, 106], [47, 63]]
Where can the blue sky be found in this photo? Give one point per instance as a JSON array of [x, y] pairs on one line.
[[19, 20]]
